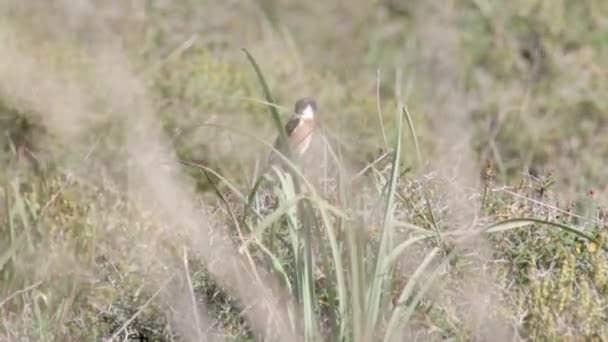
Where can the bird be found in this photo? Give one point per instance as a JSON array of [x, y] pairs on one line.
[[299, 129]]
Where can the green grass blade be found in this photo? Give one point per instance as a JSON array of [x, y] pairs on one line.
[[277, 265], [356, 256], [232, 187], [309, 297], [274, 113], [11, 250], [425, 192], [302, 249], [508, 225], [402, 247], [406, 293], [20, 203], [336, 254], [402, 319], [272, 218], [269, 8], [336, 250], [381, 279], [410, 226], [523, 222]]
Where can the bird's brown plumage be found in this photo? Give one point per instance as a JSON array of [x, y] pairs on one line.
[[300, 134], [299, 128]]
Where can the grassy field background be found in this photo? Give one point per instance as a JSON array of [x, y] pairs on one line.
[[457, 189]]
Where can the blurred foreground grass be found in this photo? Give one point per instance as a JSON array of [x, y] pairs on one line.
[[101, 235]]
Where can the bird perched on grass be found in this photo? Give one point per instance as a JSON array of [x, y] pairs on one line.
[[299, 129]]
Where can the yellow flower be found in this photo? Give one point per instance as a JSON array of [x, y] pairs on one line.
[[578, 248]]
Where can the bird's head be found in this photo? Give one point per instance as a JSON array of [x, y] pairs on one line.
[[306, 108]]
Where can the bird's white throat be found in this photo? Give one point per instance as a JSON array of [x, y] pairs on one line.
[[308, 113]]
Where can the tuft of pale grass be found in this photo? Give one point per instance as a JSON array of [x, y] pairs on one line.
[[103, 235]]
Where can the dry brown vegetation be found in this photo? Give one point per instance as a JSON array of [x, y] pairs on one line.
[[131, 137]]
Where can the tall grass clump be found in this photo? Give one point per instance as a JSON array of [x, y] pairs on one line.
[[134, 203], [340, 256]]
